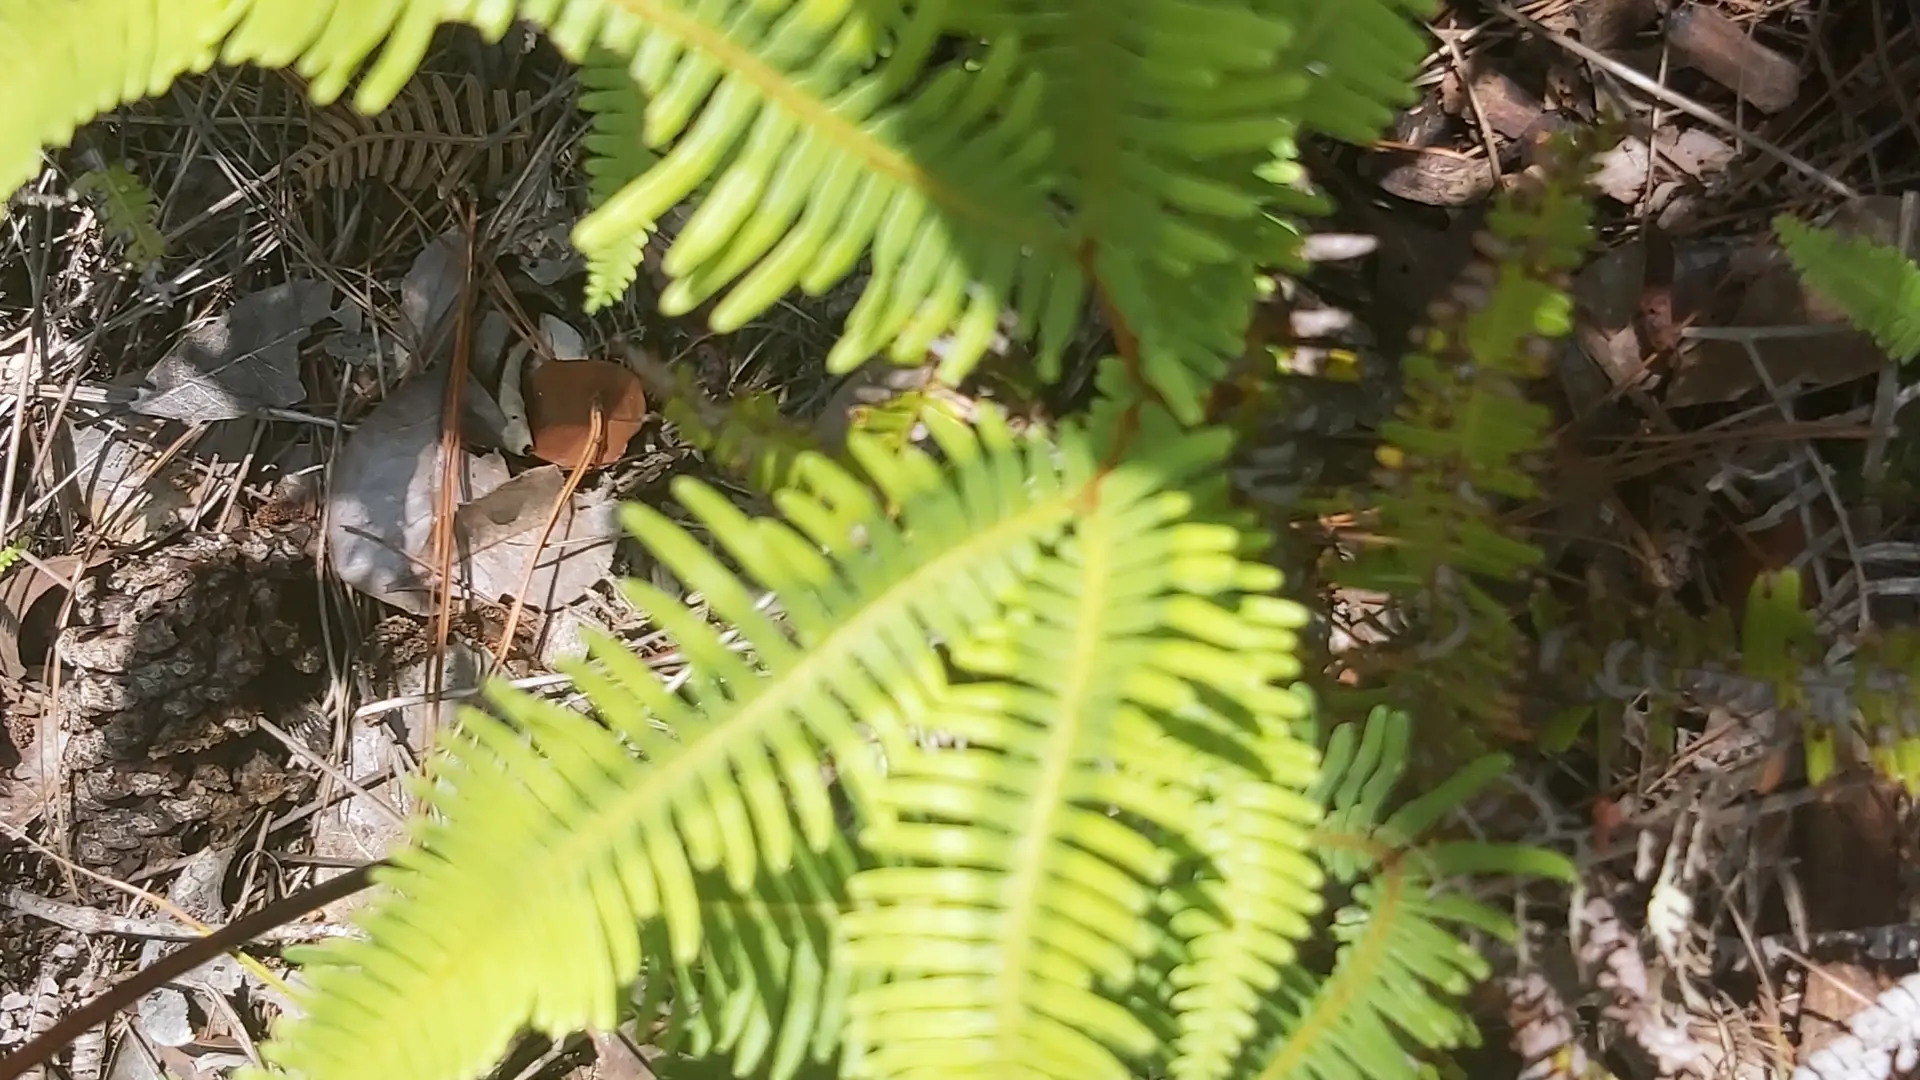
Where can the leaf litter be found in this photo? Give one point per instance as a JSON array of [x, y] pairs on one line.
[[242, 361], [381, 510]]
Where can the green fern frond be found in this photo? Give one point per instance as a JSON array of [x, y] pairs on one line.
[[127, 207], [1402, 929], [616, 155], [1876, 285], [1160, 171], [766, 993], [1021, 866], [1363, 56], [815, 165], [1466, 438], [559, 841], [1251, 894]]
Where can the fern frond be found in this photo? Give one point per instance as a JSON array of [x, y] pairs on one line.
[[1876, 285], [559, 841], [127, 207], [766, 991], [1021, 866], [617, 154], [1402, 967], [1159, 170], [815, 163], [432, 135], [1233, 924], [1465, 439], [1363, 56]]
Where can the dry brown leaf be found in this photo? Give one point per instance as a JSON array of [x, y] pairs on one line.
[[381, 507], [561, 400]]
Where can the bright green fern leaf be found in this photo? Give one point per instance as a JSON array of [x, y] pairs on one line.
[[1402, 967], [1020, 867], [1877, 286], [126, 205], [766, 994], [559, 842], [617, 154]]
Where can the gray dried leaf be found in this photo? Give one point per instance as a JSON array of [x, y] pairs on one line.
[[380, 515], [499, 532], [431, 289], [25, 787], [136, 478], [244, 360]]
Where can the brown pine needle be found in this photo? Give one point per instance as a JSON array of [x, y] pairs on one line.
[[596, 433], [447, 497]]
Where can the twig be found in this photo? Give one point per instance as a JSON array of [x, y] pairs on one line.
[[450, 456], [86, 920]]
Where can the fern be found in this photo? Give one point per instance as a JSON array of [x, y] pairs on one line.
[[1087, 767], [617, 155], [1875, 285], [126, 205], [436, 131], [1015, 776], [1466, 440]]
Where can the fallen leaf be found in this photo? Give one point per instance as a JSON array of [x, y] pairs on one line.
[[381, 507], [1763, 290], [561, 401], [133, 489], [1713, 371], [22, 592], [24, 788], [431, 289], [564, 342], [498, 532], [1622, 172], [246, 359]]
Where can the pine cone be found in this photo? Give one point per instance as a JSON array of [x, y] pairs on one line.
[[171, 659]]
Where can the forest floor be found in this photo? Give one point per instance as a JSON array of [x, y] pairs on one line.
[[216, 654]]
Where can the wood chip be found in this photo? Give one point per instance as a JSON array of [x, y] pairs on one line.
[[1510, 108], [1606, 23], [1437, 179], [1720, 49]]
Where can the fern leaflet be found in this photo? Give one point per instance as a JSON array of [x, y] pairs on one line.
[[126, 205], [1877, 286]]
